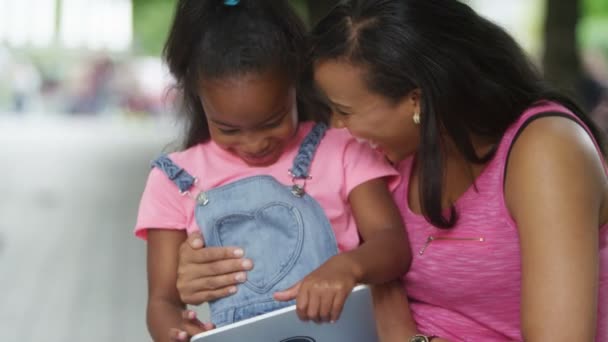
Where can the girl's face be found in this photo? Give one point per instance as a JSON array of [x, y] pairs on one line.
[[385, 125], [253, 116]]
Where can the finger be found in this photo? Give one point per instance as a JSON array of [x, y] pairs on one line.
[[314, 302], [337, 305], [209, 254], [192, 325], [289, 294], [226, 267], [192, 328], [195, 240], [208, 326], [197, 298], [198, 291], [302, 302], [325, 306], [207, 276], [214, 282], [178, 335], [189, 315]]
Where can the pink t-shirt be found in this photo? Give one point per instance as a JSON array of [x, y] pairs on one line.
[[464, 285], [339, 165]]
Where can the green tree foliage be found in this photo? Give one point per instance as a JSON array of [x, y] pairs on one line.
[[595, 8], [151, 20]]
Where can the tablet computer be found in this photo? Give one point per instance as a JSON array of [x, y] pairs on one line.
[[356, 323]]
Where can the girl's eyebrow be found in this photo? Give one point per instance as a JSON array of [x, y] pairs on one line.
[[275, 115], [221, 123], [278, 114]]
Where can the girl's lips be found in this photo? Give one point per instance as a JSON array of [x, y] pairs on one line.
[[260, 160]]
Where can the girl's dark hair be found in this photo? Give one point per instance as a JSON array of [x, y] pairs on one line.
[[474, 78], [211, 40]]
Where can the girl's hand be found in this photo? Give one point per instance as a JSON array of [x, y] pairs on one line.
[[320, 296], [190, 326], [206, 274]]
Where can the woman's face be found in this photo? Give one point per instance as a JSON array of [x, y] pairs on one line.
[[384, 124]]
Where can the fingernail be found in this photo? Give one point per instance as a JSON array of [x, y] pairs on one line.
[[232, 289], [247, 264], [197, 242], [239, 252], [332, 322], [182, 335], [240, 277], [192, 315]]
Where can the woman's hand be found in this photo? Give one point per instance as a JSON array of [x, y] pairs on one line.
[[190, 326], [206, 274], [320, 296]]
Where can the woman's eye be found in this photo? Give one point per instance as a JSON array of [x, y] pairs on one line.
[[273, 124], [343, 113]]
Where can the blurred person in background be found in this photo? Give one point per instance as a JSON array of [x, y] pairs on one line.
[[25, 85]]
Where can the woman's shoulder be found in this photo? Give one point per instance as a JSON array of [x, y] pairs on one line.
[[554, 138], [553, 128]]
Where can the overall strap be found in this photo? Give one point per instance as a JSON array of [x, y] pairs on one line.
[[306, 153], [179, 176]]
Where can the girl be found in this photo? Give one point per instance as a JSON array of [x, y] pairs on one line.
[[255, 174]]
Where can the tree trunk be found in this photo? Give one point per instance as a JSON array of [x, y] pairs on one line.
[[561, 61]]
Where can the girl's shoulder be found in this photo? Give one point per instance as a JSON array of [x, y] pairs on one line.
[[334, 138], [190, 156], [193, 159], [338, 138]]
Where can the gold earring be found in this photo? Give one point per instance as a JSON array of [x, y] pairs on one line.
[[416, 118]]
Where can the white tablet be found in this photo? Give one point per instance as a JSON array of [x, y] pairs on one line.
[[356, 323]]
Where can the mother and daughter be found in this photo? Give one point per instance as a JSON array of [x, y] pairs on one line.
[[472, 197]]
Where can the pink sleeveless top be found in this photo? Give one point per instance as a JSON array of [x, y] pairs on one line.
[[464, 283]]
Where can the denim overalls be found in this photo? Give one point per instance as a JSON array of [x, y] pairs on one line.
[[281, 228]]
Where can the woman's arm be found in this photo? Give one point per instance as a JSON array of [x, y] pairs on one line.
[[383, 233], [165, 308], [554, 190], [393, 318]]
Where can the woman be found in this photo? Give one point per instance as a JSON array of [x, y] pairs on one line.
[[504, 192]]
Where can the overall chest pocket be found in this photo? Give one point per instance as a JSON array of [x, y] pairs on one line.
[[272, 236]]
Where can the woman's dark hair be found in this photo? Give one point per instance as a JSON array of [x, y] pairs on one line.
[[474, 78], [213, 39]]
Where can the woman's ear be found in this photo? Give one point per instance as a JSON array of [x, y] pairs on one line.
[[415, 96], [410, 104]]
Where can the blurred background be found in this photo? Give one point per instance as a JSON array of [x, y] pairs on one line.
[[84, 108]]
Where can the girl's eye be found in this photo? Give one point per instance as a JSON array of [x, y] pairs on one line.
[[228, 131]]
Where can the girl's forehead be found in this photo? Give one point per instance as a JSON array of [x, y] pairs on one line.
[[246, 101]]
